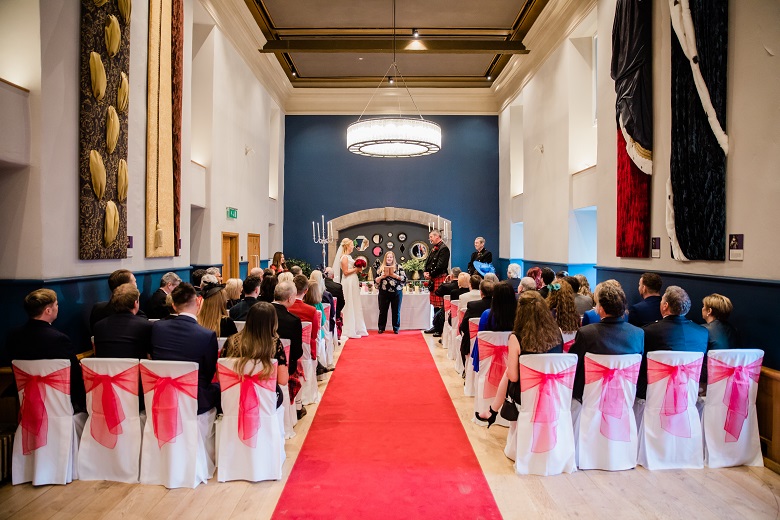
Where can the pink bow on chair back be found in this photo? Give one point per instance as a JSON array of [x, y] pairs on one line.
[[166, 416], [674, 411], [461, 314], [473, 327], [107, 413], [615, 422], [737, 396], [548, 403], [447, 305], [306, 338], [248, 401], [497, 366], [33, 416]]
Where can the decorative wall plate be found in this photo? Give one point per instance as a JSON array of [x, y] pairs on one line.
[[361, 243], [390, 245], [419, 250], [403, 259], [390, 235], [401, 237], [377, 251], [377, 238]]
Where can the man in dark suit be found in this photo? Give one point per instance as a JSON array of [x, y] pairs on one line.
[[289, 327], [182, 339], [673, 332], [474, 309], [480, 255], [102, 309], [239, 311], [335, 289], [610, 336], [38, 339], [124, 334], [157, 307], [649, 309], [447, 288]]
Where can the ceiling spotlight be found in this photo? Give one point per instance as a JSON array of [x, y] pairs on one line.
[[415, 33], [391, 81], [294, 73], [489, 78]]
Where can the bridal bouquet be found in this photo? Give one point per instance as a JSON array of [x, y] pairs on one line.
[[362, 275], [360, 263]]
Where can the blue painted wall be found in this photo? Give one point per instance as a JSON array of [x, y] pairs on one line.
[[460, 182]]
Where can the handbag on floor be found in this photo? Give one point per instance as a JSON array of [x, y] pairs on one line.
[[509, 409]]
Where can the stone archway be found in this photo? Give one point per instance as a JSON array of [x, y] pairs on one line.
[[387, 214]]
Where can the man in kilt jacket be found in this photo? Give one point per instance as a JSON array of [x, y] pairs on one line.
[[436, 268]]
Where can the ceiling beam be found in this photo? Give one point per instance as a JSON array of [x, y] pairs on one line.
[[403, 46]]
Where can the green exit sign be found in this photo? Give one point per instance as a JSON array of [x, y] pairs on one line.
[[232, 213]]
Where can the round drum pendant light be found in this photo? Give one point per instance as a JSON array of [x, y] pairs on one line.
[[394, 137]]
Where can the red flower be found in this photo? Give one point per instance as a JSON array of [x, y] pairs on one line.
[[360, 263]]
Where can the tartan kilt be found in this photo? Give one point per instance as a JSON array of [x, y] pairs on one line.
[[437, 301]]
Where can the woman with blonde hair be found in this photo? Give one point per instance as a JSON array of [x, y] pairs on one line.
[[345, 272], [259, 344], [286, 276], [213, 313], [316, 276], [390, 281], [313, 297], [715, 312], [233, 289]]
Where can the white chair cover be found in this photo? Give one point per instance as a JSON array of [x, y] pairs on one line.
[[290, 415], [245, 453], [446, 335], [607, 427], [484, 379], [51, 456], [220, 345], [545, 436], [321, 345], [729, 420], [330, 345], [470, 388], [308, 392], [240, 325], [109, 452], [455, 344], [670, 434], [183, 459]]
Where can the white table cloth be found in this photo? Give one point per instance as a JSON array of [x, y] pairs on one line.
[[416, 311]]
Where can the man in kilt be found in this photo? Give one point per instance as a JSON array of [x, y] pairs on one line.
[[436, 268]]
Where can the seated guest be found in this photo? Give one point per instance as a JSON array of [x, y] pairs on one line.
[[536, 274], [612, 335], [548, 277], [313, 297], [474, 309], [251, 290], [182, 339], [500, 316], [337, 291], [295, 270], [124, 334], [649, 309], [317, 276], [464, 286], [715, 311], [267, 287], [585, 288], [534, 332], [304, 311], [473, 294], [290, 328], [447, 287], [256, 271], [513, 275], [673, 332], [102, 309], [216, 273], [208, 279], [560, 275], [157, 307], [259, 343], [526, 284], [581, 302], [286, 276], [561, 302], [196, 277], [233, 289], [278, 264], [38, 339], [492, 277], [213, 313]]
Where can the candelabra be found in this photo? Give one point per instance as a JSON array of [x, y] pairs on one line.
[[322, 236], [437, 226]]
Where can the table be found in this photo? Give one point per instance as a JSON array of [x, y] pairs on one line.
[[416, 311]]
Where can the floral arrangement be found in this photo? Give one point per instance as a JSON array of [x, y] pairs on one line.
[[414, 264], [303, 264], [360, 263]]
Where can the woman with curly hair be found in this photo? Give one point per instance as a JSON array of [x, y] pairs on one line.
[[535, 332], [561, 303]]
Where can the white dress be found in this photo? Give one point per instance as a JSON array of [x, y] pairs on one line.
[[354, 325]]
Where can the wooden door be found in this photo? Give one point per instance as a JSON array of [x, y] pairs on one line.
[[253, 251], [229, 255]]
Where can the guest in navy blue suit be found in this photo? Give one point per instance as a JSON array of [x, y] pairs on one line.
[[182, 339], [715, 311], [649, 309], [610, 336], [673, 332], [123, 334]]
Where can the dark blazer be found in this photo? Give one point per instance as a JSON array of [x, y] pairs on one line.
[[721, 335], [103, 310], [239, 311], [514, 282], [446, 288], [609, 336], [457, 291], [290, 328], [483, 256], [182, 339], [671, 333], [227, 327], [328, 298], [438, 260], [645, 312], [123, 335], [37, 339], [156, 308], [335, 289], [474, 309]]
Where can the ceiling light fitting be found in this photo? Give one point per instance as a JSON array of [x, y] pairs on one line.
[[415, 33], [395, 136]]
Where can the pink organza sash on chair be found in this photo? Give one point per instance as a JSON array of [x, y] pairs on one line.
[[548, 404], [737, 396], [615, 423], [447, 305], [306, 339], [166, 417], [248, 403], [497, 366], [107, 413], [473, 328], [33, 416], [674, 416]]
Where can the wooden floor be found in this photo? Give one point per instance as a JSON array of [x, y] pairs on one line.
[[692, 494]]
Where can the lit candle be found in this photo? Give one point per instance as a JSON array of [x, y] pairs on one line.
[[319, 234], [313, 236], [438, 224], [323, 225]]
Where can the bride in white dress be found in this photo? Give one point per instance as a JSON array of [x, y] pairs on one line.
[[345, 272]]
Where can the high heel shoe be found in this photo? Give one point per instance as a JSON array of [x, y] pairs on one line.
[[490, 420]]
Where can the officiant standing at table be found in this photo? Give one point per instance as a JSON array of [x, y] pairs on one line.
[[436, 267], [390, 281]]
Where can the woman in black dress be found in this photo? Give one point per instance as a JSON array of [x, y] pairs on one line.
[[213, 311], [390, 282]]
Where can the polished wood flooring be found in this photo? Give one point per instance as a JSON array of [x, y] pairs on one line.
[[691, 494]]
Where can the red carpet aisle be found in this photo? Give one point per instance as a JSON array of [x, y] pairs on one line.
[[386, 442]]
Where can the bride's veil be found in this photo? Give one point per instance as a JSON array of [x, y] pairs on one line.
[[337, 265]]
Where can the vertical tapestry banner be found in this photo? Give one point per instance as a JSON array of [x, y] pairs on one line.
[[631, 69], [159, 125], [177, 82], [696, 218]]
